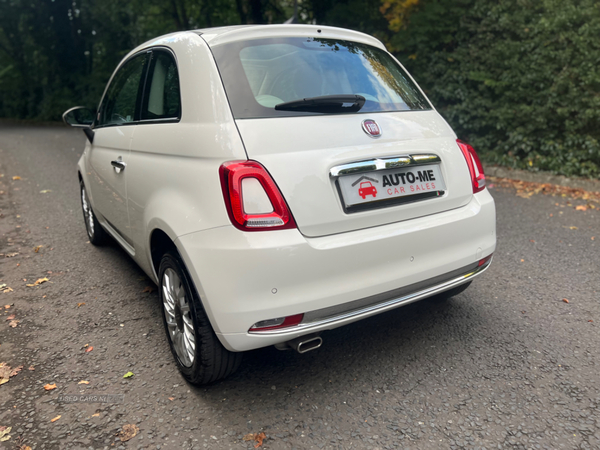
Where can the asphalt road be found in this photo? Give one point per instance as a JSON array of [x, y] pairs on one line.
[[506, 364]]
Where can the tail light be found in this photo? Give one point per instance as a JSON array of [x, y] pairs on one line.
[[475, 167], [253, 200]]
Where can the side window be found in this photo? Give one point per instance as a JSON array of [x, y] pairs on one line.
[[162, 100], [122, 98]]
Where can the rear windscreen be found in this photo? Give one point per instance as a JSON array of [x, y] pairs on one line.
[[260, 74]]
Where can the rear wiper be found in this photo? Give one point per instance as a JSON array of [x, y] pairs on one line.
[[325, 104]]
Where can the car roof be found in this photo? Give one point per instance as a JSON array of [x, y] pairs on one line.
[[223, 35]]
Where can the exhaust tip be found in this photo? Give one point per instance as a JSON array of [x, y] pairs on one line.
[[305, 344], [311, 344]]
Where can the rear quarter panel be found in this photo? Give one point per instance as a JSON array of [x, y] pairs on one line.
[[173, 174]]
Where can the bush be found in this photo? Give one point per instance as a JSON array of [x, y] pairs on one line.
[[518, 79]]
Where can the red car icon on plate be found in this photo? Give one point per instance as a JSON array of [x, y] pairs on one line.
[[366, 188]]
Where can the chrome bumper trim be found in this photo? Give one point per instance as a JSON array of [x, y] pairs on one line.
[[370, 306]]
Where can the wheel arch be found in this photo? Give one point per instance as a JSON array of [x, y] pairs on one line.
[[160, 243], [161, 239]]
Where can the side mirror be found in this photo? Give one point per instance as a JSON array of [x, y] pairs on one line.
[[80, 117]]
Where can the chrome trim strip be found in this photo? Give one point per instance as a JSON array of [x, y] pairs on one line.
[[371, 165], [383, 306]]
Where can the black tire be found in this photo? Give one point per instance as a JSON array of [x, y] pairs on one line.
[[446, 295], [211, 361], [94, 230]]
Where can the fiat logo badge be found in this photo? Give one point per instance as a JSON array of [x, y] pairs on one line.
[[371, 127]]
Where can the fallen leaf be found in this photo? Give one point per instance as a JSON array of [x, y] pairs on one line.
[[4, 373], [590, 320], [24, 447], [128, 375], [257, 437], [37, 248], [593, 238], [31, 368], [148, 289], [56, 418], [4, 436], [171, 398], [45, 191], [89, 349], [581, 208], [13, 323], [96, 415], [522, 260], [10, 255], [15, 371], [84, 382], [49, 387], [6, 306], [38, 282], [16, 177], [80, 304], [127, 432], [573, 228], [5, 289], [565, 300], [11, 317]]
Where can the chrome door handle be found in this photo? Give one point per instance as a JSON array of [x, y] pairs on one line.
[[118, 165]]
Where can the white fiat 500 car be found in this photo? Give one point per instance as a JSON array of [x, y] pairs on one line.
[[276, 182]]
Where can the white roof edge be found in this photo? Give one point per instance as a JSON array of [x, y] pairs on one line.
[[163, 40], [222, 35]]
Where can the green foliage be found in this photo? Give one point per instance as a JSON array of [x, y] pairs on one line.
[[60, 53], [518, 79]]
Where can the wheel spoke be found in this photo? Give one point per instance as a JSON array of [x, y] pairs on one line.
[[172, 326], [188, 327]]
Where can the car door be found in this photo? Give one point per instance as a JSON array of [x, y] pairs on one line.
[[109, 153]]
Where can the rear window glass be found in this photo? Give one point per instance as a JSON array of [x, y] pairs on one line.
[[260, 74]]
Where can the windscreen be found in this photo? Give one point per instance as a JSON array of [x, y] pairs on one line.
[[260, 74]]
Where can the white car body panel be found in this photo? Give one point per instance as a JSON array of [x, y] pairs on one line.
[[108, 187]]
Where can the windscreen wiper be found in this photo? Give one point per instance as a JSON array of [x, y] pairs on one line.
[[325, 104]]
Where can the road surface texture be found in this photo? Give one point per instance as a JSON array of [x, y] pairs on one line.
[[506, 364]]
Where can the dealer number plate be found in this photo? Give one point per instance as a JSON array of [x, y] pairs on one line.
[[390, 184]]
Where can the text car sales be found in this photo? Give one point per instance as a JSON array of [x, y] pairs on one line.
[[425, 177]]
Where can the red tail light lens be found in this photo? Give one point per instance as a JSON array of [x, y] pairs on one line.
[[232, 174], [475, 167]]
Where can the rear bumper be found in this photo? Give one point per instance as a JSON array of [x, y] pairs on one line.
[[244, 278]]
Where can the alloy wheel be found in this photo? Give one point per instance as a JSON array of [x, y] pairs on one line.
[[178, 316], [87, 212]]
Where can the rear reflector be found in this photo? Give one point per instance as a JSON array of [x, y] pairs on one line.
[[474, 164], [485, 260], [253, 213], [275, 324]]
